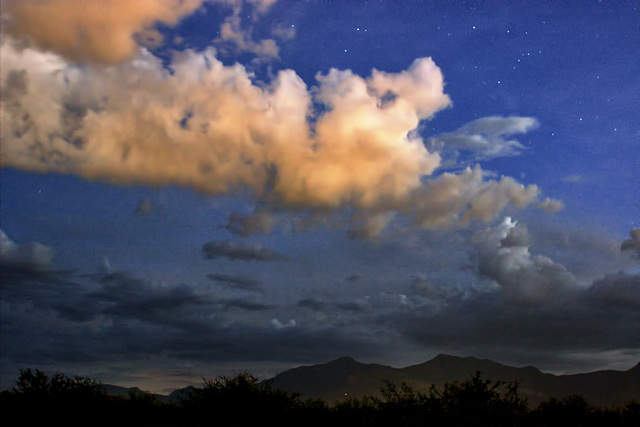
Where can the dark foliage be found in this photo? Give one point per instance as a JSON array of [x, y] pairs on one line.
[[238, 400], [38, 399]]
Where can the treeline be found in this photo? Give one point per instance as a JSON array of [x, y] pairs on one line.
[[38, 399]]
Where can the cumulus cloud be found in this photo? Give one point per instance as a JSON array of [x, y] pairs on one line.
[[348, 144], [503, 255], [104, 31], [461, 198], [239, 251]]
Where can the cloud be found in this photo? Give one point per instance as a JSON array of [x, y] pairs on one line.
[[145, 207], [119, 315], [102, 31], [243, 304], [632, 243], [279, 325], [484, 138], [28, 257], [453, 199], [233, 34], [236, 281], [319, 305], [503, 255], [550, 205], [349, 144], [617, 290], [259, 222], [239, 251], [549, 334], [133, 297], [539, 308], [574, 179]]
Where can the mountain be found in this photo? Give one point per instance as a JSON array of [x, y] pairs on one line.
[[127, 392], [346, 377]]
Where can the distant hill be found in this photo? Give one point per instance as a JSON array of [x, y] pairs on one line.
[[346, 377]]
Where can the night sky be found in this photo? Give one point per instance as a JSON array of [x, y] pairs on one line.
[[195, 188]]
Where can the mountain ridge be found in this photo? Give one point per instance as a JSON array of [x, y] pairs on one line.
[[345, 377]]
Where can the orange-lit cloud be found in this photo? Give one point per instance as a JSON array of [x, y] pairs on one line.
[[209, 127], [103, 31]]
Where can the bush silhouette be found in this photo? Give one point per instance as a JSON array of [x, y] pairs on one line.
[[240, 399], [38, 399], [481, 402]]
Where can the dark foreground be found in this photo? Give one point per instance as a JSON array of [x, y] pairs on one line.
[[234, 401]]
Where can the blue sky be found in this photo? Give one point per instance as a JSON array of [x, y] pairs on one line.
[[191, 188]]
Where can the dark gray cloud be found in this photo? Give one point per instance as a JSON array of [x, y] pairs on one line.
[[237, 281], [145, 207], [259, 222], [321, 305], [503, 255], [482, 325], [617, 290], [535, 310], [244, 304], [483, 311], [32, 256], [120, 316], [632, 243], [353, 278], [313, 304], [239, 251]]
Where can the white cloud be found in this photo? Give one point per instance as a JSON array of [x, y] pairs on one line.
[[484, 138]]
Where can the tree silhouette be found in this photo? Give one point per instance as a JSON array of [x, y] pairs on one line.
[[38, 399], [240, 399]]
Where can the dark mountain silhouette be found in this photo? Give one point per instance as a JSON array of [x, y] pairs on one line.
[[346, 377], [180, 394]]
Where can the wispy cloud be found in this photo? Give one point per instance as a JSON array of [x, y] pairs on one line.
[[236, 281], [482, 139], [240, 251]]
